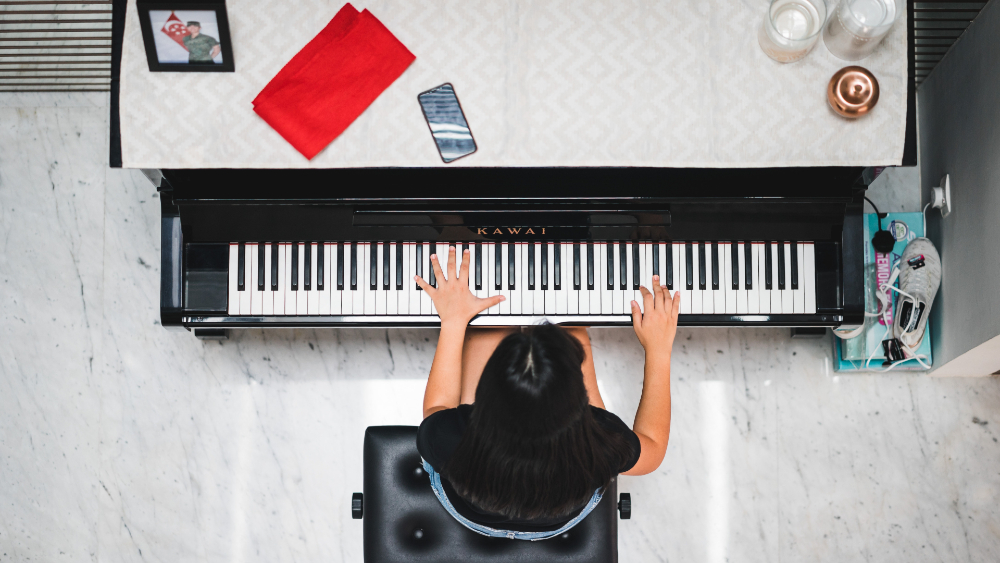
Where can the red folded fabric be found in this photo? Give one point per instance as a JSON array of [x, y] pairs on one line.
[[332, 80]]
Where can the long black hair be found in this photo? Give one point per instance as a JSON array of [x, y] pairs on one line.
[[533, 448]]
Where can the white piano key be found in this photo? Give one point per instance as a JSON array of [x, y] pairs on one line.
[[594, 295], [267, 308], [489, 276], [775, 292], [753, 291], [278, 295], [629, 294], [647, 271], [680, 277], [741, 294], [708, 294], [538, 295], [809, 279], [562, 295], [233, 307], [577, 300], [355, 259], [381, 294], [312, 296], [614, 250], [256, 297], [409, 300], [550, 281], [786, 294], [798, 295], [504, 275], [336, 295], [247, 277], [760, 264], [392, 295], [368, 293], [421, 261], [606, 304], [324, 295], [301, 298], [697, 295], [527, 297], [287, 279], [726, 279]]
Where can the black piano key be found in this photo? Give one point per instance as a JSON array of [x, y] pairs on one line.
[[622, 265], [734, 252], [373, 266], [399, 266], [781, 265], [795, 264], [670, 265], [320, 266], [295, 266], [611, 266], [590, 266], [479, 266], [386, 265], [557, 265], [576, 266], [465, 246], [260, 265], [419, 261], [274, 266], [544, 258], [498, 266], [340, 266], [511, 266], [241, 267], [430, 266], [307, 270], [701, 266], [656, 259], [767, 265], [689, 265], [748, 265], [531, 265], [354, 266], [715, 265], [635, 266]]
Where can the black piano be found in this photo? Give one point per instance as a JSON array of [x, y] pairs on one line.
[[327, 248]]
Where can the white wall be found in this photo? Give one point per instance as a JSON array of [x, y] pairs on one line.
[[958, 112]]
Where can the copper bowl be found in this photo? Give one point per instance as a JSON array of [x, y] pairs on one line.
[[853, 91]]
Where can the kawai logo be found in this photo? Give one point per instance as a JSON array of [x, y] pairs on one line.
[[510, 230]]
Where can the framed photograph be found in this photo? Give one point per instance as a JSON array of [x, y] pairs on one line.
[[188, 36]]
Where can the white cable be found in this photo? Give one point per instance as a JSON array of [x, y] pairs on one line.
[[923, 214]]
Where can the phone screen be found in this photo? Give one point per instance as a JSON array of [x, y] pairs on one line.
[[447, 122]]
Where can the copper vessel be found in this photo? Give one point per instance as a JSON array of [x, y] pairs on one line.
[[852, 92]]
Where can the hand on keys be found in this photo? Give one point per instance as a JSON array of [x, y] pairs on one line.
[[452, 297], [657, 326]]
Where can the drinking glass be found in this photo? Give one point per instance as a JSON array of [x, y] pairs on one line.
[[858, 26], [791, 28]]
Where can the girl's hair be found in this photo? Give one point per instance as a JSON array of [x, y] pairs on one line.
[[532, 448]]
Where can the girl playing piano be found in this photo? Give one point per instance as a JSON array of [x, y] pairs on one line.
[[515, 437]]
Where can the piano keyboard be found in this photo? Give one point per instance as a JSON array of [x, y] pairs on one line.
[[551, 279]]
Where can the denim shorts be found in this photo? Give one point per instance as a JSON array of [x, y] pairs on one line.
[[510, 534]]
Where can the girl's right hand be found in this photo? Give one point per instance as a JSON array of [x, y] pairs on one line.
[[657, 326]]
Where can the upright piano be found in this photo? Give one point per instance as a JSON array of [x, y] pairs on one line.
[[327, 248]]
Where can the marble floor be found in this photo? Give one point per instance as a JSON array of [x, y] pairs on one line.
[[121, 441]]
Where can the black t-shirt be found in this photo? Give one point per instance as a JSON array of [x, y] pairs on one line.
[[440, 433]]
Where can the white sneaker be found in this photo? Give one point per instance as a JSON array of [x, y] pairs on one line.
[[919, 279]]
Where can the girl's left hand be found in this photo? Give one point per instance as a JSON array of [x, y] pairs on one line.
[[452, 297]]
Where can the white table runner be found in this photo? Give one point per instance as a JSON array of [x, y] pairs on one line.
[[679, 83]]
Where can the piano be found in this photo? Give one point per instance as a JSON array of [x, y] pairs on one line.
[[325, 248]]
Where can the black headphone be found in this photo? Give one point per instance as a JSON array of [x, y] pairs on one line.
[[883, 241]]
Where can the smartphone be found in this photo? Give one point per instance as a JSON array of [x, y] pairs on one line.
[[447, 122]]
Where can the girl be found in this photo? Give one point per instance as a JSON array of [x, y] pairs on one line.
[[515, 437]]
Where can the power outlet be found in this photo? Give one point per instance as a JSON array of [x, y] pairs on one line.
[[941, 196]]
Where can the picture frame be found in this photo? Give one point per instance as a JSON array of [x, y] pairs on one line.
[[186, 36]]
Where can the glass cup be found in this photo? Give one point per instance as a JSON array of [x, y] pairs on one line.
[[858, 26], [791, 28]]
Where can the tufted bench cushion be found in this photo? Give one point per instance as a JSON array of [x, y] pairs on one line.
[[404, 522]]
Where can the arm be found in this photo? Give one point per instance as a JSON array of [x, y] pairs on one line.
[[656, 330], [215, 50], [456, 306]]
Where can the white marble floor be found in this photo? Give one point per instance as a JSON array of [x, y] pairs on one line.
[[120, 441]]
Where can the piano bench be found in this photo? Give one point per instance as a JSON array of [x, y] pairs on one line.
[[404, 521]]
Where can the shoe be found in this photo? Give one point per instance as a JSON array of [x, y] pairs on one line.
[[919, 279]]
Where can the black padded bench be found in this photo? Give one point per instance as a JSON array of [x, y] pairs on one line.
[[404, 522]]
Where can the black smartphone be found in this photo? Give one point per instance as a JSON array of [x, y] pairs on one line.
[[447, 122]]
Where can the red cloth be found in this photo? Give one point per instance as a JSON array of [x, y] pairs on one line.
[[332, 80]]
